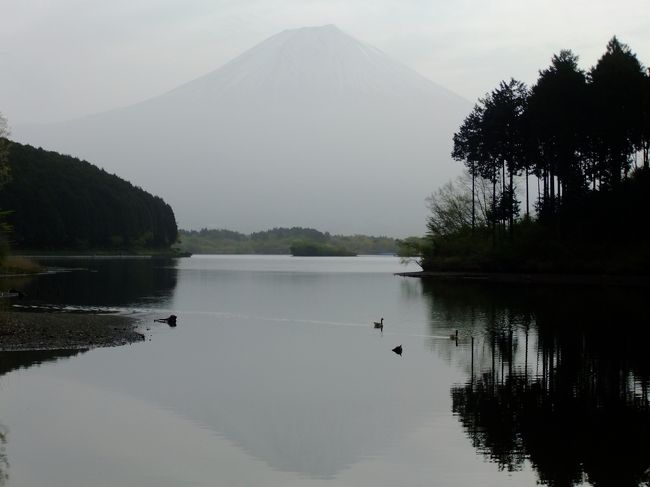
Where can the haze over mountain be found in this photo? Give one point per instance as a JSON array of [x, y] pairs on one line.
[[311, 127]]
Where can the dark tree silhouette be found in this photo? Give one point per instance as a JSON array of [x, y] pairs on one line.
[[557, 116], [468, 148], [491, 143], [617, 86]]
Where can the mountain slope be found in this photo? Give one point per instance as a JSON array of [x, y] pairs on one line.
[[310, 127]]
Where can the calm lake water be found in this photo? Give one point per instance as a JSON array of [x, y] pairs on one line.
[[274, 376]]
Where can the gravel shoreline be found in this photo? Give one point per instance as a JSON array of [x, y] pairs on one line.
[[52, 331]]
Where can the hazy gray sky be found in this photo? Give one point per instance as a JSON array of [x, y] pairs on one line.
[[61, 59]]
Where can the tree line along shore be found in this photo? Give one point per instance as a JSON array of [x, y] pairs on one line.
[[283, 241]]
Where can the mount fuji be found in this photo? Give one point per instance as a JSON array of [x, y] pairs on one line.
[[311, 127]]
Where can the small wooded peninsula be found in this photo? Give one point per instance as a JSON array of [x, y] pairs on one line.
[[557, 175], [54, 202]]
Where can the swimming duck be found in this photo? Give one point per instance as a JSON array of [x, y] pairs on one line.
[[171, 321]]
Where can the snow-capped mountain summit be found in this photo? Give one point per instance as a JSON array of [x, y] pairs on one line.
[[311, 127], [312, 64]]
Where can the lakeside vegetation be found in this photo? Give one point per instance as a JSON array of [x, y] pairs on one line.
[[557, 175], [281, 240], [54, 202], [316, 249]]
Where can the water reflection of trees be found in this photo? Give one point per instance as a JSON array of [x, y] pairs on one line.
[[10, 361], [105, 282], [557, 376]]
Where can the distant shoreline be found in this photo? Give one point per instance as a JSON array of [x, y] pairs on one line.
[[523, 278]]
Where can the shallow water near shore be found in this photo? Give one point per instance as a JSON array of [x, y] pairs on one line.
[[275, 376]]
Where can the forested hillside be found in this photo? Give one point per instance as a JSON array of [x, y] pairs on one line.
[[57, 202]]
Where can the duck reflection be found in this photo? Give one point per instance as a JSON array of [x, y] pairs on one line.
[[552, 381]]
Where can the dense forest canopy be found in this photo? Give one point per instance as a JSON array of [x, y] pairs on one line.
[[279, 241], [581, 138], [58, 202]]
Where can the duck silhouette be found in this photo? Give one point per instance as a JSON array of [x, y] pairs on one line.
[[398, 350], [379, 324], [171, 320]]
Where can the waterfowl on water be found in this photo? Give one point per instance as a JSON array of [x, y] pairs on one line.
[[379, 324], [171, 320], [398, 350]]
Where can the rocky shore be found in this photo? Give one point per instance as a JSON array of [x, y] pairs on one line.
[[50, 331]]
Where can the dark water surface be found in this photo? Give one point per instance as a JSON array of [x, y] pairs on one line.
[[274, 376]]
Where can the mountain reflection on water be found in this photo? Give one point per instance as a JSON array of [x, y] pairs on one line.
[[275, 376], [10, 361], [557, 376]]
